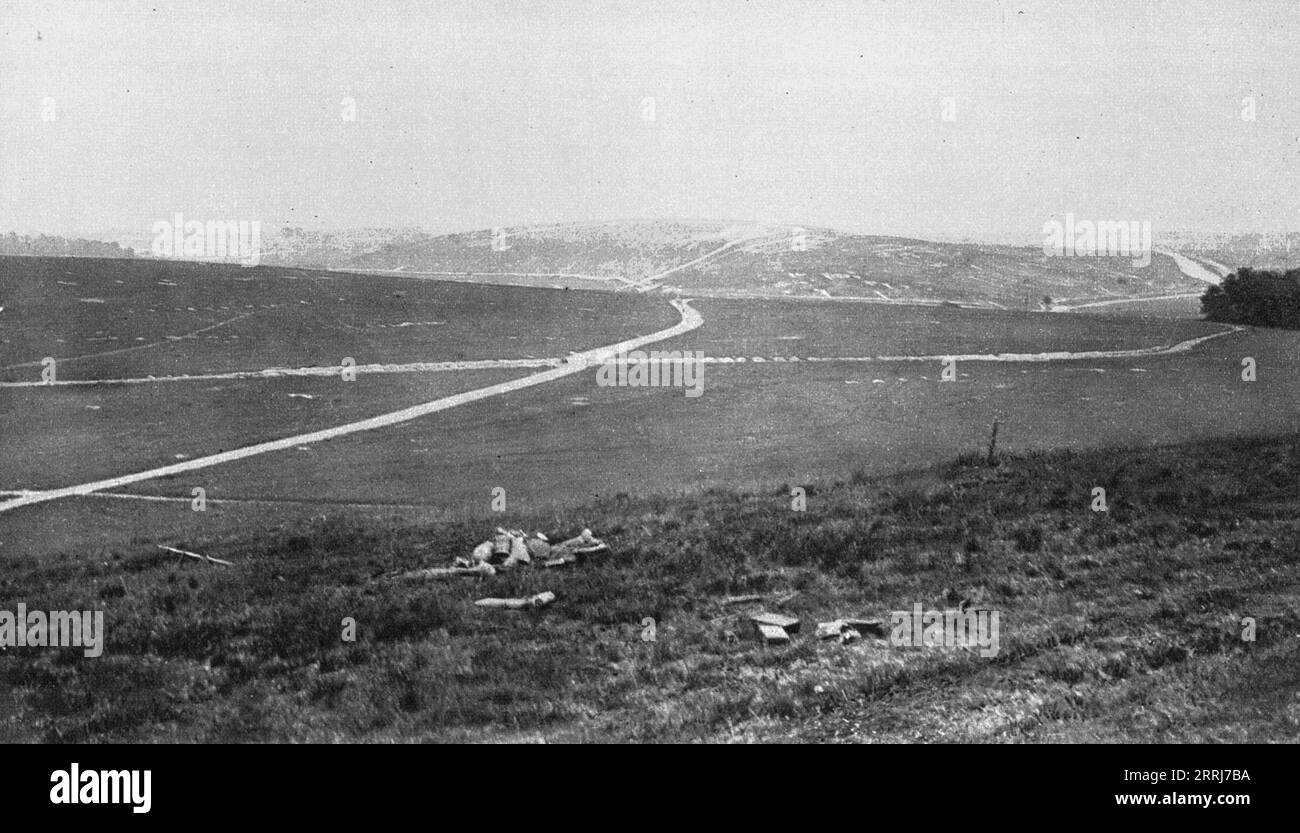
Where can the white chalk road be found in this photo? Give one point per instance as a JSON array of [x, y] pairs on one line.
[[690, 320]]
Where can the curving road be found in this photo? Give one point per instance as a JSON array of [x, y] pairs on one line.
[[578, 362]]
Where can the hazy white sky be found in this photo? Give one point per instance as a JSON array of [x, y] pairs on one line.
[[501, 112]]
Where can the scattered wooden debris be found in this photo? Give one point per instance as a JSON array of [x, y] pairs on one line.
[[579, 548], [849, 630], [206, 558], [741, 600], [875, 627], [532, 602], [830, 630], [772, 634], [513, 547], [538, 546], [790, 624], [482, 570]]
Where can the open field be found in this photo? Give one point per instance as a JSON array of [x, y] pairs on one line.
[[148, 425], [168, 318], [688, 490], [758, 421], [815, 404], [1122, 625]]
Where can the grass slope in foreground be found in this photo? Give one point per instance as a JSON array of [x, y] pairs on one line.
[[1123, 625]]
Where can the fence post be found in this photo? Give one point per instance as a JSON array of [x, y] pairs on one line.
[[993, 443]]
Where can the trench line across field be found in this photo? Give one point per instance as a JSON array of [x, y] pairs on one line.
[[499, 364]]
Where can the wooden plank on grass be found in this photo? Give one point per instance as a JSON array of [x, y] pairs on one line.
[[874, 627], [830, 630], [790, 624], [772, 634], [537, 601], [482, 570]]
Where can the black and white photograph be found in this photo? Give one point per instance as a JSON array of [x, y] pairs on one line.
[[385, 372]]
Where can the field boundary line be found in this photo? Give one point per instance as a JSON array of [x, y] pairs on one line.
[[508, 364], [291, 372], [1113, 301], [1058, 356]]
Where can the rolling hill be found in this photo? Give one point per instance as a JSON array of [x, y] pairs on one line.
[[733, 259]]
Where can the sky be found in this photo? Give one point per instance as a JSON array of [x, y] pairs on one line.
[[943, 120]]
